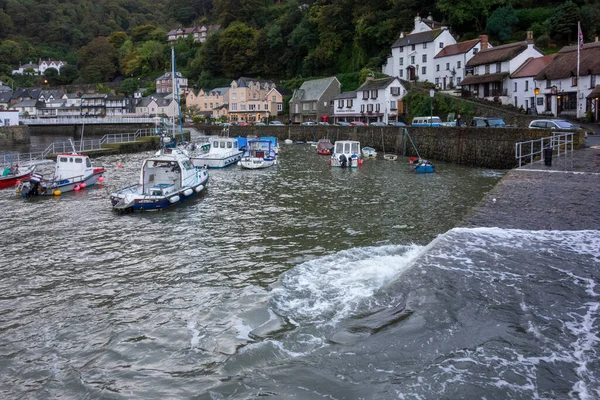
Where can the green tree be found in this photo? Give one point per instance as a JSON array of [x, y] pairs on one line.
[[237, 49], [467, 14], [68, 73], [501, 22], [51, 75], [10, 52], [564, 21], [98, 61], [152, 56], [117, 39], [129, 86]]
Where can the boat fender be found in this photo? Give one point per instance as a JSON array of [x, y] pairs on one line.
[[188, 192], [174, 199], [199, 188]]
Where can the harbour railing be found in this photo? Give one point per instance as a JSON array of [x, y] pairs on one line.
[[529, 151], [89, 120]]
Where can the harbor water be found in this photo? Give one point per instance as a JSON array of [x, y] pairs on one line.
[[300, 281]]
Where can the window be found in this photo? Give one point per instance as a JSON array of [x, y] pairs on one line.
[[487, 69], [401, 61], [437, 67], [515, 87], [393, 105], [447, 66], [401, 49], [373, 94], [437, 81], [475, 51], [458, 65], [457, 80], [498, 67], [365, 94], [526, 86], [412, 59], [349, 103], [369, 107], [340, 103], [592, 81], [401, 74], [243, 107], [279, 107], [574, 81], [548, 83], [314, 106], [395, 91], [362, 108], [424, 45], [251, 107], [424, 57], [305, 106], [377, 107], [233, 106], [441, 45], [412, 47], [423, 70]]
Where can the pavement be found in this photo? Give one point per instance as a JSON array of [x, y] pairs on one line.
[[563, 196]]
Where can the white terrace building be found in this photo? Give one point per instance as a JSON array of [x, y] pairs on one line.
[[451, 61], [522, 85], [413, 54]]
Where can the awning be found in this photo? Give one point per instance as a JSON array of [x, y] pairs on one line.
[[594, 93], [486, 78]]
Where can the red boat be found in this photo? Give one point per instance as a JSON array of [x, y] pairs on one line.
[[324, 147], [10, 176]]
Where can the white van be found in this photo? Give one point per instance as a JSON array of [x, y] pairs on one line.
[[426, 121]]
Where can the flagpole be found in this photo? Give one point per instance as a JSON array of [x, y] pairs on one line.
[[579, 43]]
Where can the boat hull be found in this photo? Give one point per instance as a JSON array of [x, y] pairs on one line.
[[256, 162], [217, 162], [65, 185], [12, 179]]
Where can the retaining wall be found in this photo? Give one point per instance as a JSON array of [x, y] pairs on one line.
[[479, 147], [14, 135]]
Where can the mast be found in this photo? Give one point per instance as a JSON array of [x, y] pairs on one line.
[[173, 83]]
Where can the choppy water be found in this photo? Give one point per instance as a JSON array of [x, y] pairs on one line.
[[299, 281]]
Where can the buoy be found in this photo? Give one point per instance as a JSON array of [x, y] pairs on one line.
[[18, 182], [76, 188], [56, 192], [119, 165], [101, 179], [83, 185]]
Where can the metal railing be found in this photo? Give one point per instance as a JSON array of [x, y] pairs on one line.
[[560, 143], [78, 120]]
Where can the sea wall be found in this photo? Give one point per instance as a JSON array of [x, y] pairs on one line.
[[14, 135], [91, 130], [478, 147]]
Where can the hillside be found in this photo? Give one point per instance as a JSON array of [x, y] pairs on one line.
[[106, 39]]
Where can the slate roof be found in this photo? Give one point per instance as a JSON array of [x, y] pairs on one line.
[[57, 94], [532, 66], [4, 88], [28, 103], [496, 54], [346, 95], [416, 38], [144, 102], [167, 75], [313, 90], [486, 78], [33, 93], [5, 97], [244, 81], [457, 48], [375, 84], [564, 65]]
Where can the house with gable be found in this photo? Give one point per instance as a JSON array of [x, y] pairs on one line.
[[313, 100], [164, 83], [451, 61], [50, 95], [522, 84], [491, 69], [413, 54], [45, 64], [251, 100], [345, 107], [207, 101], [5, 100], [27, 108], [380, 100], [199, 33], [558, 82]]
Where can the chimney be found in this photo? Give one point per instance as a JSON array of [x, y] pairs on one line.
[[417, 21], [596, 39], [529, 37], [429, 17], [484, 41]]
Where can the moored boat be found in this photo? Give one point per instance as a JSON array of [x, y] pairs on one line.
[[258, 154], [274, 142], [217, 152], [346, 154], [72, 172], [422, 166], [167, 178], [12, 175], [324, 146], [369, 152]]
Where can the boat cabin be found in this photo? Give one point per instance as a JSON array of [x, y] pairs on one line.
[[163, 176], [347, 147], [72, 166]]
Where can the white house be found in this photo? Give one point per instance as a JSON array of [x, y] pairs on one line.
[[522, 84], [451, 61], [413, 54], [491, 69], [71, 100], [30, 67], [9, 118], [27, 107], [45, 64], [558, 82], [345, 107]]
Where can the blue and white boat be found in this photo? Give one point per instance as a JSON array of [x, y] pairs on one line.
[[346, 153], [258, 154], [421, 166], [217, 152], [369, 152], [274, 142], [167, 178]]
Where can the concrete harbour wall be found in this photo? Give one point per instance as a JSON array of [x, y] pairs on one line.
[[91, 130], [14, 135], [478, 147]]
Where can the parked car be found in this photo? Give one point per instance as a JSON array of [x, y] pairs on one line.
[[342, 123], [554, 124], [276, 123], [377, 123], [309, 123], [242, 123], [357, 123], [260, 124], [324, 123], [488, 122], [396, 123], [426, 121]]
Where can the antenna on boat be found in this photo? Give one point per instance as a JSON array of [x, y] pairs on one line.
[[72, 145], [81, 144]]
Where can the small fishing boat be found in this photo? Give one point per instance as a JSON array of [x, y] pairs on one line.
[[217, 152], [14, 174], [387, 156], [421, 166], [259, 154], [167, 178], [274, 142], [72, 172], [324, 147], [288, 141], [369, 152], [346, 154]]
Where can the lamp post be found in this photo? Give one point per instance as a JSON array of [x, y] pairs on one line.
[[536, 91], [431, 94]]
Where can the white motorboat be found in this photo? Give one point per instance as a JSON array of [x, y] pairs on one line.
[[346, 153], [167, 178], [369, 152], [217, 152], [259, 154]]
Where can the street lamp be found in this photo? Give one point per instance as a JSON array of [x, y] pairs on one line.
[[431, 94], [536, 91]]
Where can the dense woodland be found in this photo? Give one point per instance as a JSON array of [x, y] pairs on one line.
[[286, 40]]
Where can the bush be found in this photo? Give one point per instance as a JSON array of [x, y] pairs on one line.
[[543, 41]]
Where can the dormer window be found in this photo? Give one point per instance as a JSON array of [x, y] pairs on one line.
[[401, 49], [441, 45], [412, 47]]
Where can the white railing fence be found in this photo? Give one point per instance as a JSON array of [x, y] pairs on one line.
[[529, 151]]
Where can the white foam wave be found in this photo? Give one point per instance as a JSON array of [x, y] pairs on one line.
[[328, 289]]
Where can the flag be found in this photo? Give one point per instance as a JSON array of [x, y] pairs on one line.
[[580, 35]]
